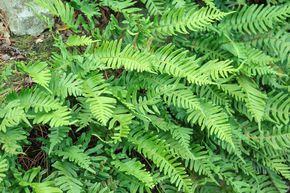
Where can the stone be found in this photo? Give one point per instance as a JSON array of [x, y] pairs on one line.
[[22, 20]]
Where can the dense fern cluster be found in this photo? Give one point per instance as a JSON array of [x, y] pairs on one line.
[[166, 96]]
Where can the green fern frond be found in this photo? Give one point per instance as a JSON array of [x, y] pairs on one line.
[[255, 19], [12, 140], [278, 107], [214, 119], [75, 154], [75, 40], [11, 115], [121, 124], [129, 57], [57, 118], [134, 168], [38, 72], [45, 187], [60, 9], [66, 85], [100, 104], [155, 7], [175, 62], [155, 149], [124, 6], [3, 168], [183, 20], [255, 101], [38, 100], [67, 178], [57, 134]]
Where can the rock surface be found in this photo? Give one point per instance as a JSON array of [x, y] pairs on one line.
[[21, 19]]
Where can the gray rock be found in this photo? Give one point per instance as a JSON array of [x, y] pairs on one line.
[[21, 19]]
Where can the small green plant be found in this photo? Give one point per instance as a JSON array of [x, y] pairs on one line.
[[153, 96]]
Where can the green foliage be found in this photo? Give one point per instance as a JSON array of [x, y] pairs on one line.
[[152, 96]]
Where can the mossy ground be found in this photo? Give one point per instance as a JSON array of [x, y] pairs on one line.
[[23, 49]]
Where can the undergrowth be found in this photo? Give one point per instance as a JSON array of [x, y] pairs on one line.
[[151, 96]]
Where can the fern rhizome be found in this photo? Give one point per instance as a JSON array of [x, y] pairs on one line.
[[160, 96]]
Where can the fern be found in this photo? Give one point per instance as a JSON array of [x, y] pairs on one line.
[[3, 168], [76, 155], [149, 146], [38, 72], [151, 96], [78, 41], [136, 169], [183, 20], [257, 19]]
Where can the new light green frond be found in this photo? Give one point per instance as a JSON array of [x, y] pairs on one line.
[[153, 148], [101, 105], [255, 19], [76, 40], [134, 168], [38, 100], [60, 9], [11, 115], [38, 72], [56, 118], [45, 187], [76, 154], [111, 54], [183, 20], [256, 100]]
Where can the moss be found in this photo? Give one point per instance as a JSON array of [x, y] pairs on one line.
[[33, 50]]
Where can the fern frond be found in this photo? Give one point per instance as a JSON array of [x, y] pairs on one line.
[[66, 85], [75, 154], [125, 6], [3, 168], [38, 72], [134, 168], [256, 100], [38, 100], [57, 118], [11, 140], [214, 119], [183, 20], [155, 7], [255, 19], [155, 149], [44, 187], [57, 134], [100, 104], [176, 63], [120, 123], [67, 178], [111, 54], [11, 115], [278, 107], [76, 40], [60, 9]]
